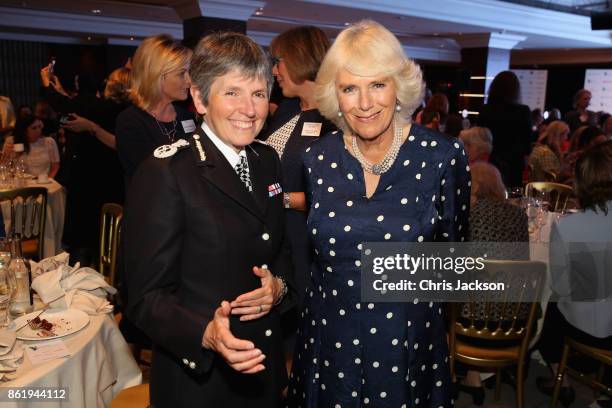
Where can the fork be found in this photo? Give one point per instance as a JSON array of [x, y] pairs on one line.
[[44, 308]]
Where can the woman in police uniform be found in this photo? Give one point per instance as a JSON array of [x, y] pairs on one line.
[[207, 260]]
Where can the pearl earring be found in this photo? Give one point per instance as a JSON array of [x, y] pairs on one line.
[[339, 114], [398, 107]]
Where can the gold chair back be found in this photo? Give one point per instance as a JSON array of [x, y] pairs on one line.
[[28, 212], [560, 194], [506, 320], [110, 232], [604, 357]]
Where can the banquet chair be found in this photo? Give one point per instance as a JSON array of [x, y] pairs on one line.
[[132, 397], [603, 356], [560, 194], [110, 230], [28, 211], [495, 333]]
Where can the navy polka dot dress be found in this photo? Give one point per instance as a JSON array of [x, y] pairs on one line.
[[353, 354]]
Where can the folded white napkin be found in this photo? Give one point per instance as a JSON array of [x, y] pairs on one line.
[[7, 341], [80, 288], [49, 264], [9, 362], [88, 302]]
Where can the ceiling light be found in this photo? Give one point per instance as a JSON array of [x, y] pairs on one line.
[[347, 24], [259, 11], [131, 38], [88, 38], [96, 11]]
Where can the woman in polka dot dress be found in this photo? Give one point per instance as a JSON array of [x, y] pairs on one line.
[[378, 179]]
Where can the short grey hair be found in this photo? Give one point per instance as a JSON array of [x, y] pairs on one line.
[[479, 138], [366, 48], [219, 53]]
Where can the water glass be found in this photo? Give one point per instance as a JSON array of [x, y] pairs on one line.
[[7, 290]]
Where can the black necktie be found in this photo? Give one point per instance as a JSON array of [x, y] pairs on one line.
[[242, 169]]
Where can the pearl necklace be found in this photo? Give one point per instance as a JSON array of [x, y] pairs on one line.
[[385, 164]]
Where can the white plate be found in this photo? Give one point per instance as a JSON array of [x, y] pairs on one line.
[[64, 322]]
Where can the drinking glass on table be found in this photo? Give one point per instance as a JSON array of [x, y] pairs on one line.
[[514, 192], [543, 197], [7, 282]]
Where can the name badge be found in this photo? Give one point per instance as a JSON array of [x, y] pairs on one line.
[[188, 125], [311, 129]]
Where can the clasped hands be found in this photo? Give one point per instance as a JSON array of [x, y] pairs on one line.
[[242, 355]]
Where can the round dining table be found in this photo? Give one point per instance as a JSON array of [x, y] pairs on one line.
[[99, 366]]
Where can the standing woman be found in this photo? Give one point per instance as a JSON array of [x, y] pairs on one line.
[[158, 80], [297, 55], [510, 124], [380, 178], [206, 250]]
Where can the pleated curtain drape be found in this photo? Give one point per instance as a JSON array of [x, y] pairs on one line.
[[20, 63]]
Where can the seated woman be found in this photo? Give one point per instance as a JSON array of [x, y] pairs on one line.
[[478, 143], [492, 219], [41, 153], [583, 138], [587, 322], [546, 157]]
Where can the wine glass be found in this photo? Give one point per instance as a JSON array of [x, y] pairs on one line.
[[544, 198], [531, 209], [7, 282]]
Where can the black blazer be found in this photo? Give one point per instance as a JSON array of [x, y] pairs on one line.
[[192, 235]]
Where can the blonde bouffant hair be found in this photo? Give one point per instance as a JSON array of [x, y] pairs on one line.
[[155, 57], [368, 49], [117, 85]]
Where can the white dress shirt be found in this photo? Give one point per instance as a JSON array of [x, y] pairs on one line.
[[228, 152]]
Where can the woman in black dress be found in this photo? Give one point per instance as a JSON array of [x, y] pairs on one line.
[[159, 79], [510, 124], [297, 54]]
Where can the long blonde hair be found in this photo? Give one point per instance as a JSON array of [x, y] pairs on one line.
[[155, 57]]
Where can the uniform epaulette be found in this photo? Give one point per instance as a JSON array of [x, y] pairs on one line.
[[165, 151], [198, 147]]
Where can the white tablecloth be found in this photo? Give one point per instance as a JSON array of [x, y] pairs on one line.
[[100, 366], [54, 223], [539, 251]]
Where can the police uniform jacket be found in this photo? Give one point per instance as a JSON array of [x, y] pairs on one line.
[[192, 235]]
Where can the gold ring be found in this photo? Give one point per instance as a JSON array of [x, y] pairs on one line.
[[260, 308]]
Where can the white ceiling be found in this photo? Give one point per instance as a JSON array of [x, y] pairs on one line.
[[427, 28]]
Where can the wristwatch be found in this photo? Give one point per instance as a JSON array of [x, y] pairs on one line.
[[286, 200]]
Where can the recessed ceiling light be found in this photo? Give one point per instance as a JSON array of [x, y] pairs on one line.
[[131, 38], [88, 38], [347, 24], [96, 11], [259, 11]]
